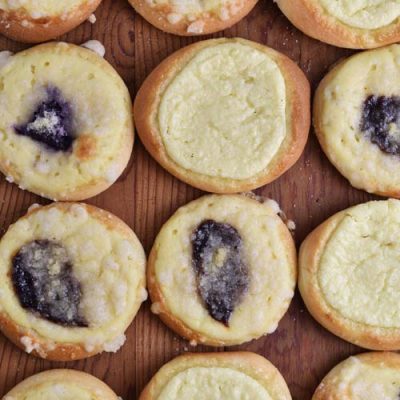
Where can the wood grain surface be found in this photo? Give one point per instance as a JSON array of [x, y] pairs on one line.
[[146, 196]]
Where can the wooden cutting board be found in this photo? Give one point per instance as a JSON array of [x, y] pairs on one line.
[[145, 196]]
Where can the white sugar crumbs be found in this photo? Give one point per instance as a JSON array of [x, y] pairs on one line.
[[174, 18], [196, 27], [79, 211], [113, 173], [274, 206], [114, 345], [34, 206], [143, 295], [92, 19], [5, 57], [29, 345], [95, 46], [156, 308]]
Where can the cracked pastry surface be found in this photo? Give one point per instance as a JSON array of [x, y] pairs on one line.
[[357, 119], [190, 18], [364, 376], [233, 376], [61, 384], [222, 270], [34, 21], [224, 115], [349, 274], [56, 140], [73, 280], [346, 23]]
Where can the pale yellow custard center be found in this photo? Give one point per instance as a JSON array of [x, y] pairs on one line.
[[201, 383], [364, 14], [361, 381], [57, 391], [42, 8], [359, 272], [224, 114]]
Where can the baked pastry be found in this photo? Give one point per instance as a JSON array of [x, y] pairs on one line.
[[33, 21], [217, 265], [239, 375], [65, 121], [224, 115], [353, 24], [72, 280], [365, 376], [357, 120], [190, 18], [349, 275], [61, 384]]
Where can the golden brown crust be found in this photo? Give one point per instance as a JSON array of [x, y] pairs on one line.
[[60, 351], [23, 28], [327, 390], [157, 16], [174, 322], [311, 250], [311, 19], [81, 379], [249, 363], [298, 117]]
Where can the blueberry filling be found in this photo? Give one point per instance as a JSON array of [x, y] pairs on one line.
[[44, 283], [380, 122], [51, 122], [222, 275]]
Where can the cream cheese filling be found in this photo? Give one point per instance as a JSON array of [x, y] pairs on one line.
[[363, 14], [223, 115], [359, 273], [359, 381], [59, 391], [193, 7], [41, 8], [201, 383]]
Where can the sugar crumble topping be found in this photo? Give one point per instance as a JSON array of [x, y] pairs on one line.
[[29, 344], [114, 345], [156, 308], [111, 346], [196, 12], [95, 46], [174, 18], [92, 19], [196, 27], [5, 57], [274, 206], [34, 206]]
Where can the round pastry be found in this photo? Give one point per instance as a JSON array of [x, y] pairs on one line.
[[357, 119], [222, 270], [233, 376], [349, 274], [353, 24], [224, 115], [61, 384], [66, 126], [33, 21], [189, 18], [365, 376], [72, 280]]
